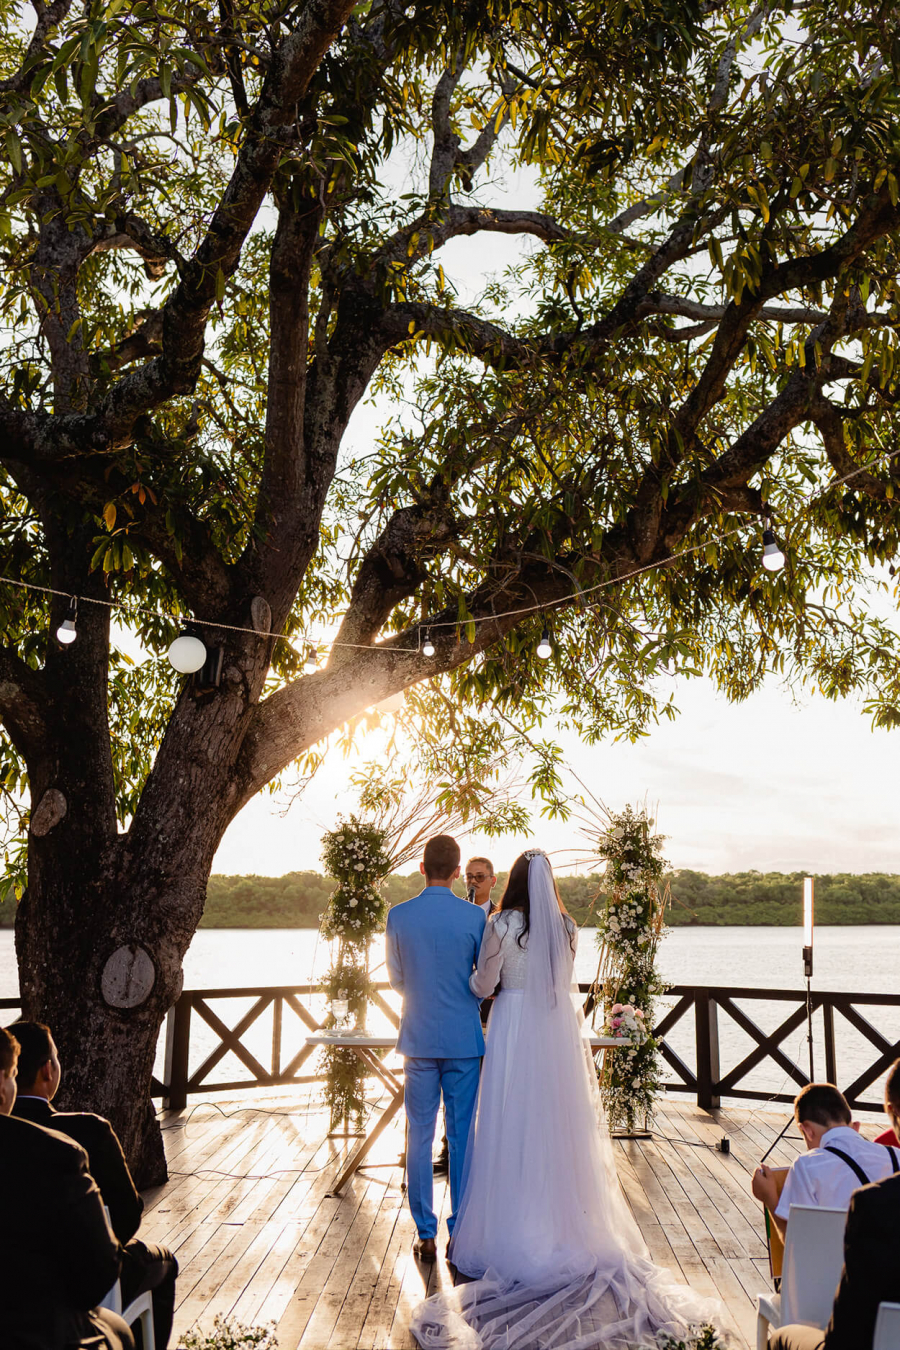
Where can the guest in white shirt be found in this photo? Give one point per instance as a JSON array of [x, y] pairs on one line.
[[838, 1161]]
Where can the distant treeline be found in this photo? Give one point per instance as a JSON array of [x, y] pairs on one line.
[[297, 899]]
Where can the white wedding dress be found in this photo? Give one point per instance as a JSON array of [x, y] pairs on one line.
[[557, 1260]]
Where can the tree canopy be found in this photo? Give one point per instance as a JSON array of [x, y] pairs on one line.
[[208, 264]]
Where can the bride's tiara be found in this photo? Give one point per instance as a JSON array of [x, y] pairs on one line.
[[534, 853]]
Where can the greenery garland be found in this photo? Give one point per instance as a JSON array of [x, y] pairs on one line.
[[629, 930], [355, 854]]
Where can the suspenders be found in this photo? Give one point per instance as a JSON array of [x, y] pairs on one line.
[[854, 1165]]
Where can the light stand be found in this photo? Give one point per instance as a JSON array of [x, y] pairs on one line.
[[808, 906]]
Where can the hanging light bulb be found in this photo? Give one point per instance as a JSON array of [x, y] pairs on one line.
[[66, 633], [311, 664], [187, 654], [544, 647], [428, 645], [773, 558]]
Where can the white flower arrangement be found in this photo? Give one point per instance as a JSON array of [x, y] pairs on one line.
[[355, 855], [630, 928]]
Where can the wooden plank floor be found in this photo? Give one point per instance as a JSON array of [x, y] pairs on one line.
[[248, 1213]]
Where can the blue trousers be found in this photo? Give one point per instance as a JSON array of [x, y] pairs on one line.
[[426, 1081]]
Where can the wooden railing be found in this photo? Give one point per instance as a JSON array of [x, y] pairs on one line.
[[705, 1005], [710, 1085], [180, 1082]]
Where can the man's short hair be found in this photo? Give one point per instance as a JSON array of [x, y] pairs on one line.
[[441, 856], [892, 1085], [485, 862], [36, 1048], [821, 1104], [9, 1051]]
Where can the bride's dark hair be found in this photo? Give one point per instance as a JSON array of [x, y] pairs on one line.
[[515, 896]]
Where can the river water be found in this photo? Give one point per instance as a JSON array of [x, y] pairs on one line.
[[863, 959]]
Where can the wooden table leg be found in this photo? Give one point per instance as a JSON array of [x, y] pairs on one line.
[[354, 1162]]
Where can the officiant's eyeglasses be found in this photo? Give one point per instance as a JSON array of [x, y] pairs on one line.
[[477, 876]]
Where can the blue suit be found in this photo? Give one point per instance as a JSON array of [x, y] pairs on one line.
[[431, 949]]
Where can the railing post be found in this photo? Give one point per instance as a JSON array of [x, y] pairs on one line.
[[706, 1014], [830, 1050], [277, 1008], [178, 1041]]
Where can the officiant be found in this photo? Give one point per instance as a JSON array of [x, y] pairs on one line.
[[480, 882]]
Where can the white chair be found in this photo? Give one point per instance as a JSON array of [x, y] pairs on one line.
[[887, 1327], [813, 1260], [139, 1310]]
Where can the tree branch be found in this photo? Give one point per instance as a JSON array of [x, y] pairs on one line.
[[269, 128], [392, 569], [48, 17], [290, 496], [22, 704], [826, 417]]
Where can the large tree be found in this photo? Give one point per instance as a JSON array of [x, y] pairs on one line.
[[223, 227]]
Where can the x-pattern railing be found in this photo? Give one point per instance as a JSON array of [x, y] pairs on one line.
[[707, 1081], [705, 1002], [180, 1081]]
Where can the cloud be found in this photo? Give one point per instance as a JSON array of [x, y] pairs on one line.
[[773, 784]]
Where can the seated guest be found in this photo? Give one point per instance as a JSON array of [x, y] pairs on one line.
[[144, 1265], [871, 1274], [892, 1107], [837, 1163], [57, 1256]]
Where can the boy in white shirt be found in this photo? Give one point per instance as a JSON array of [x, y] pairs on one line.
[[838, 1161]]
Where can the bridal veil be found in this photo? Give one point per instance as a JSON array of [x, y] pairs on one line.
[[556, 1255]]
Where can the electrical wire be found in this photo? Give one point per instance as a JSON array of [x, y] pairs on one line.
[[386, 647]]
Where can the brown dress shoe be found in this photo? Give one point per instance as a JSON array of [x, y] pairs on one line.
[[425, 1249]]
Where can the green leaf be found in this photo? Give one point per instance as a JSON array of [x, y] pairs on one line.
[[14, 149]]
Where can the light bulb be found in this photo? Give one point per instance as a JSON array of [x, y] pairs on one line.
[[428, 645], [773, 558], [187, 654], [544, 649], [66, 633], [311, 664]]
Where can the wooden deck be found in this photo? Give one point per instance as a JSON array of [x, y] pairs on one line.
[[248, 1213]]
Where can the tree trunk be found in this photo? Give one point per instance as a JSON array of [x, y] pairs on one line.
[[97, 968]]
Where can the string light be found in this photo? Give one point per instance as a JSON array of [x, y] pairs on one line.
[[66, 633], [311, 664], [773, 558], [187, 654]]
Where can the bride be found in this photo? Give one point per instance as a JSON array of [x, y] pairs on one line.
[[555, 1258]]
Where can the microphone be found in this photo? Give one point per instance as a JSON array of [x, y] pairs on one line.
[[470, 895]]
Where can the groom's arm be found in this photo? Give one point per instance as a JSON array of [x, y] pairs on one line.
[[392, 957]]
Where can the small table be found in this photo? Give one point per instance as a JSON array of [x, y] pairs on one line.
[[364, 1047]]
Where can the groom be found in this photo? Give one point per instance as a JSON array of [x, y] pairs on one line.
[[432, 948]]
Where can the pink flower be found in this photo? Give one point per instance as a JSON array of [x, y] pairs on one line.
[[617, 1008], [617, 1021], [638, 1013]]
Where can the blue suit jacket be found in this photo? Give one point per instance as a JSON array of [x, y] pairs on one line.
[[431, 949]]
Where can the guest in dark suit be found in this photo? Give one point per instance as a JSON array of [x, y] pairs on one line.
[[58, 1258], [871, 1274], [145, 1266]]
